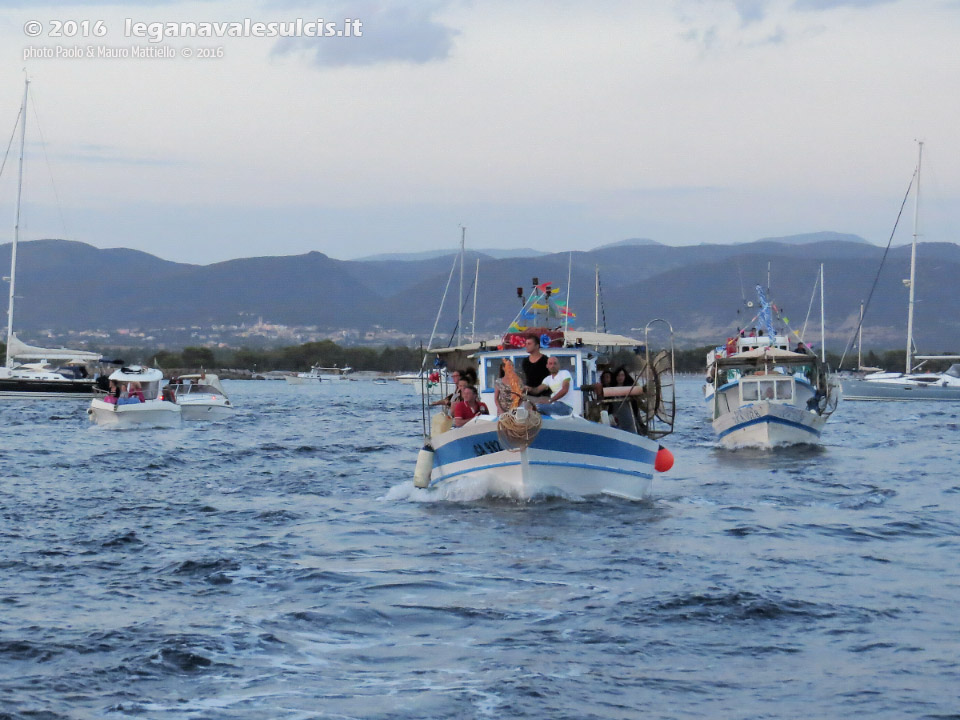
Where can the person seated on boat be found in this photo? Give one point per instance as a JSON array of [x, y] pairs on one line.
[[113, 393], [593, 404], [135, 392], [534, 366], [557, 384], [469, 407], [169, 393], [507, 389], [453, 397]]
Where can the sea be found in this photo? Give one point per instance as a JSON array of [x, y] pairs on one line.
[[281, 566]]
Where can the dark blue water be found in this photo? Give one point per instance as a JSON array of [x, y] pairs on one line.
[[281, 566]]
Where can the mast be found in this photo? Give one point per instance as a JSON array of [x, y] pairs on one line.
[[566, 317], [860, 339], [913, 263], [823, 331], [473, 323], [596, 299], [16, 227], [463, 238]]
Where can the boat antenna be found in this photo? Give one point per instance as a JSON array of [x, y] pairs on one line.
[[463, 240], [473, 323], [436, 322], [803, 330], [566, 315], [876, 279], [16, 227]]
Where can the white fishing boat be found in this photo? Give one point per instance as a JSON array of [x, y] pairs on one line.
[[913, 383], [53, 373], [201, 397], [334, 373], [152, 411], [761, 394], [312, 377], [521, 451]]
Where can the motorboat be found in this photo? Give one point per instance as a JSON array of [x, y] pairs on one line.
[[53, 373], [201, 397], [521, 452], [152, 411], [312, 377], [333, 373], [913, 383], [761, 394]]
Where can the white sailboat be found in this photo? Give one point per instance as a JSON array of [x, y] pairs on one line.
[[910, 384], [53, 373]]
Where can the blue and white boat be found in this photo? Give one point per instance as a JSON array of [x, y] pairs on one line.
[[761, 394], [608, 445]]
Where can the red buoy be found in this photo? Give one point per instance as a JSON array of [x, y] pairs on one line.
[[664, 460]]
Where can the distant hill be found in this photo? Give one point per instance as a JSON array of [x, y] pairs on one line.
[[816, 237], [629, 242], [497, 253], [70, 286]]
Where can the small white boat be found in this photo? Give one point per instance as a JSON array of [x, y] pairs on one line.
[[312, 377], [130, 412], [201, 397]]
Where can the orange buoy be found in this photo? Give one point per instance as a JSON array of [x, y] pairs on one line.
[[663, 461]]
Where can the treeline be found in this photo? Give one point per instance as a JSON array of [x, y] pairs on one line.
[[400, 359], [295, 357]]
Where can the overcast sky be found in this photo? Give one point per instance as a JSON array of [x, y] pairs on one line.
[[556, 124]]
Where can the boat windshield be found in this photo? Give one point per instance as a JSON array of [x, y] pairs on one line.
[[196, 389], [954, 370]]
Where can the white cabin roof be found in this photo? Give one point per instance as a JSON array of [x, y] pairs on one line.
[[136, 373]]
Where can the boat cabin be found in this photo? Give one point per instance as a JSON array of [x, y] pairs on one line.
[[149, 379], [581, 363]]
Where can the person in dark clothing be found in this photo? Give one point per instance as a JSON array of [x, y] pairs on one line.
[[535, 366]]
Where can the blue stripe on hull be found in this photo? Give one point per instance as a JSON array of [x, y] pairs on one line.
[[567, 441], [584, 466], [769, 419]]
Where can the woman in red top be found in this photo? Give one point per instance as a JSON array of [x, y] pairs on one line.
[[469, 407]]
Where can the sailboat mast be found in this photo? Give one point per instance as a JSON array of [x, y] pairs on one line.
[[860, 339], [16, 227], [823, 331], [463, 239], [596, 299], [913, 264]]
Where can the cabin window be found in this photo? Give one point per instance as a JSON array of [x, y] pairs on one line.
[[491, 370], [767, 389], [748, 390], [784, 390], [569, 363]]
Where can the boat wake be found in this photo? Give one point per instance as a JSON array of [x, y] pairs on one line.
[[471, 490]]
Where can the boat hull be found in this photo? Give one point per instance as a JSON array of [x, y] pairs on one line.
[[152, 413], [569, 456], [53, 389], [194, 411], [854, 389], [293, 380], [765, 425]]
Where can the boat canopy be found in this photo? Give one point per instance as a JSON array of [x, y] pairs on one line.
[[136, 373], [781, 357], [20, 350], [571, 338], [201, 379]]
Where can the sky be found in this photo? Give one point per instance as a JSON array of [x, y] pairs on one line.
[[557, 125]]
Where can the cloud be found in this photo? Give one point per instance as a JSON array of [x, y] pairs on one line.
[[391, 32], [830, 4]]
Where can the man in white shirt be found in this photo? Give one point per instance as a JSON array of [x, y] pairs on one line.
[[558, 382]]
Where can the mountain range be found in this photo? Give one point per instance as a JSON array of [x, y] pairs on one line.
[[701, 290]]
